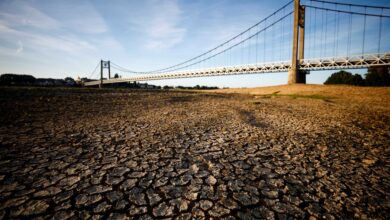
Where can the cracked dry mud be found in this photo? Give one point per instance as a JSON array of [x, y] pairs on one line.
[[92, 154]]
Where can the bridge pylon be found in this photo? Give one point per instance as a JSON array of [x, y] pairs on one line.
[[104, 65], [295, 75]]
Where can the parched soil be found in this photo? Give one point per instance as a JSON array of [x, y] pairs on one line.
[[121, 154]]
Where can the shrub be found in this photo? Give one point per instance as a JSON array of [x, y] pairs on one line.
[[378, 76], [17, 80], [344, 77]]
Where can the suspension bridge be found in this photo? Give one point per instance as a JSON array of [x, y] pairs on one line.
[[299, 37]]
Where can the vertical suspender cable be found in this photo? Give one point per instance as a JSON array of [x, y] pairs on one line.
[[334, 34], [273, 40], [280, 41], [230, 57], [315, 32], [233, 56], [244, 44], [229, 60], [227, 56], [326, 33], [249, 47], [241, 50], [223, 59], [349, 33], [210, 62], [290, 25], [281, 38], [265, 38], [380, 32], [214, 60], [364, 30], [322, 32], [338, 30], [290, 37], [257, 39]]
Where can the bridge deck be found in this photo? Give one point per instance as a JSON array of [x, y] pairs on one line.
[[352, 62]]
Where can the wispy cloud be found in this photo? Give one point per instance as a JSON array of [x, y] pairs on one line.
[[40, 42], [42, 33], [24, 15], [160, 22], [20, 47], [79, 16]]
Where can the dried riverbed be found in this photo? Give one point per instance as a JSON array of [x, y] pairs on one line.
[[75, 153]]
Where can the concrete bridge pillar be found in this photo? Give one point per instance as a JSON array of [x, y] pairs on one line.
[[295, 75], [101, 74]]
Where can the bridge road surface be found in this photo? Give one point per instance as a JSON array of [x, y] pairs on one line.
[[116, 154]]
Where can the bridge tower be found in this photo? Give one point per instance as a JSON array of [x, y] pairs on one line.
[[104, 65], [295, 75]]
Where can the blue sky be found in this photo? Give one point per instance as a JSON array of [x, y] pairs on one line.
[[67, 38]]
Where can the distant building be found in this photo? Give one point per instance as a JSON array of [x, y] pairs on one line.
[[50, 82], [147, 86]]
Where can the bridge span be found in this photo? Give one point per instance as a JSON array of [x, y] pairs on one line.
[[353, 62]]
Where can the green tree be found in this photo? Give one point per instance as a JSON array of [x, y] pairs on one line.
[[357, 80], [70, 81], [15, 79], [344, 77], [378, 76]]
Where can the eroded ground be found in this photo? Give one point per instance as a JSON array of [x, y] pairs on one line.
[[121, 154]]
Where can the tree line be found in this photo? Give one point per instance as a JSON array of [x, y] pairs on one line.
[[375, 76], [10, 79]]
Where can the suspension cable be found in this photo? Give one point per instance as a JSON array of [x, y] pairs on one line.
[[222, 44], [93, 72], [230, 44], [236, 44], [348, 4], [349, 12], [116, 66]]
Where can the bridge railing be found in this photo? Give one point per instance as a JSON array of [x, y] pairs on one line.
[[350, 62], [201, 72]]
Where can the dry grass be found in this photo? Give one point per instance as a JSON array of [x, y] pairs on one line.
[[376, 97]]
